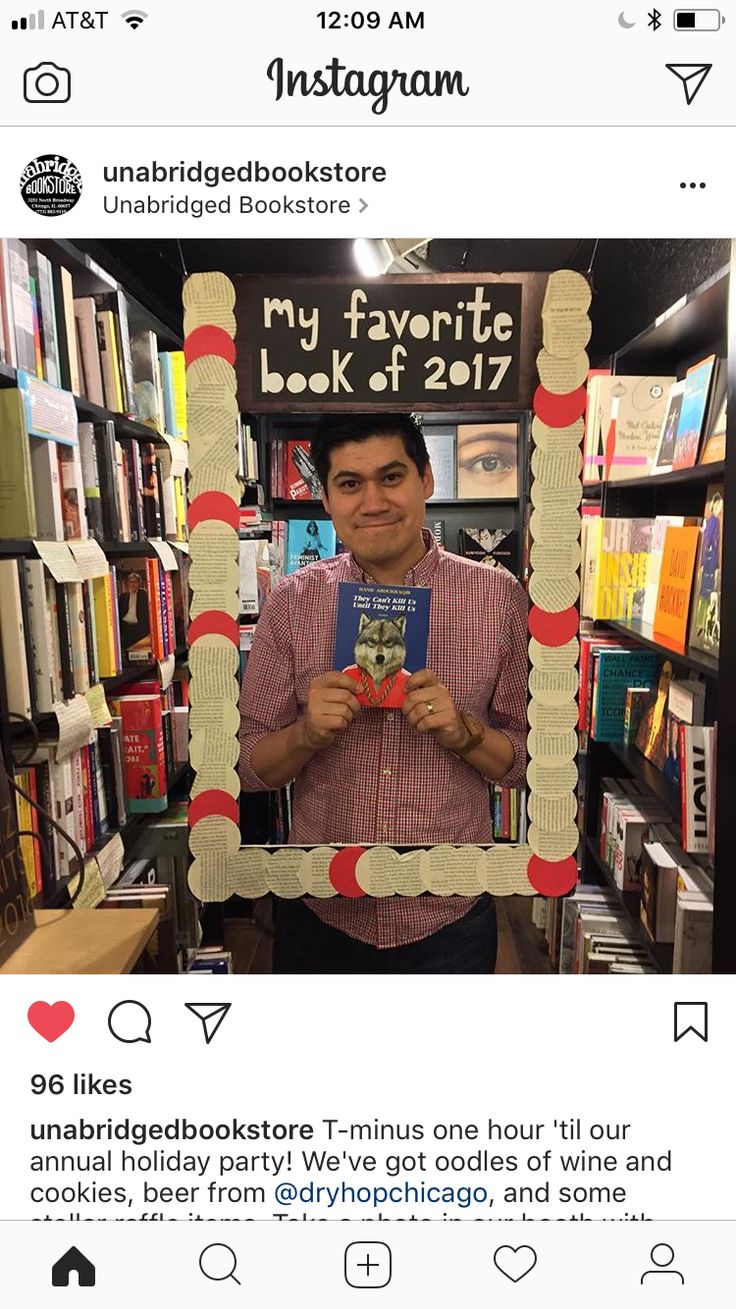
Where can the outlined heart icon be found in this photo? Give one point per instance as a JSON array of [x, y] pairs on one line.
[[515, 1261], [51, 1020]]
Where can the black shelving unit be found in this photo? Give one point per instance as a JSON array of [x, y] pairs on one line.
[[660, 955], [90, 279], [92, 413], [701, 323], [697, 661], [130, 834], [502, 511]]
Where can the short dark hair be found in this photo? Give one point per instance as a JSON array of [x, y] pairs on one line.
[[337, 429]]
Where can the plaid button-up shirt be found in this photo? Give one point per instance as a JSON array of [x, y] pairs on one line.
[[381, 781]]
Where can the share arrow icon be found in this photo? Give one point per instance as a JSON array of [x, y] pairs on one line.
[[210, 1015], [692, 77]]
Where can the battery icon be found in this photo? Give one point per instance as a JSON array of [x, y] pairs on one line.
[[698, 20]]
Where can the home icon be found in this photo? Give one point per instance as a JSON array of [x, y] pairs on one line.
[[73, 1262]]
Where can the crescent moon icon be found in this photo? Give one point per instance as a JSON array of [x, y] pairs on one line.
[[622, 20]]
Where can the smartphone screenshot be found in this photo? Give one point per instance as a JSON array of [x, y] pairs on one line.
[[367, 609]]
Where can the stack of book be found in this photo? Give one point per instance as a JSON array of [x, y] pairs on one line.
[[151, 741], [293, 474], [596, 935], [61, 638], [470, 461], [645, 426], [82, 343], [639, 842], [629, 697], [508, 810], [663, 573], [75, 480], [247, 453], [83, 791]]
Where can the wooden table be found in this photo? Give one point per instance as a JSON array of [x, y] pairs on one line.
[[84, 941]]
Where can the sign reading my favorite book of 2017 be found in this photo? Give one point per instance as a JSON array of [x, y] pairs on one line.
[[399, 342]]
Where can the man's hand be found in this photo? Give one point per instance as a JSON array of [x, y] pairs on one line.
[[331, 707], [429, 707]]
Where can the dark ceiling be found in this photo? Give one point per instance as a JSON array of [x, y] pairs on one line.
[[633, 280]]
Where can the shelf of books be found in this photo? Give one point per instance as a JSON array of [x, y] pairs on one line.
[[477, 510], [93, 581], [657, 581]]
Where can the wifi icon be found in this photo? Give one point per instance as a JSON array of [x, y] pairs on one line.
[[134, 17]]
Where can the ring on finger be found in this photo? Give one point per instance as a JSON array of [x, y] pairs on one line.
[[430, 707]]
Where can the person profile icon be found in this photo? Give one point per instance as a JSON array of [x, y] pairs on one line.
[[662, 1255]]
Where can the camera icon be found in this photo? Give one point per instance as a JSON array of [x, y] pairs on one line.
[[47, 84]]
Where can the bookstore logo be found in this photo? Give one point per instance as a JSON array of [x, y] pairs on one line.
[[51, 185]]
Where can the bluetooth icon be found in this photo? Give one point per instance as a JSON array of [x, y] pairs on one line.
[[655, 19]]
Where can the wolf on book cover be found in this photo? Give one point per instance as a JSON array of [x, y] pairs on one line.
[[381, 638]]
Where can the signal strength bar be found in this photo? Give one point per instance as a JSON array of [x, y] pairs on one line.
[[33, 23]]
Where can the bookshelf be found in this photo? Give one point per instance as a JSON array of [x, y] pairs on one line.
[[700, 323], [141, 410], [503, 511], [698, 661], [660, 955], [93, 413]]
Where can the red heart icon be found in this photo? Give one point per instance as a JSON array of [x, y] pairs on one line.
[[51, 1020]]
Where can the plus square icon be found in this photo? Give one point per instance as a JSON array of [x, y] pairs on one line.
[[367, 1264]]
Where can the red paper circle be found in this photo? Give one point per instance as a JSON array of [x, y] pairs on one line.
[[212, 802], [214, 504], [552, 877], [214, 622], [209, 340], [553, 629], [559, 410], [342, 871]]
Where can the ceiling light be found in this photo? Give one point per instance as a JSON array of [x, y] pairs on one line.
[[377, 256]]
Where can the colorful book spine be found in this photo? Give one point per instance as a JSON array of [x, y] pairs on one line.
[[695, 773], [104, 601], [143, 749]]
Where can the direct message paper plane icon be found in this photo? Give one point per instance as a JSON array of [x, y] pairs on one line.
[[692, 77], [210, 1016]]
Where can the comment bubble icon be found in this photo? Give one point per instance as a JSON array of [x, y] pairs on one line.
[[129, 1021]]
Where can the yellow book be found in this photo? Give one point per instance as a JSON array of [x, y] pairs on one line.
[[623, 569], [26, 843], [109, 360], [181, 509], [591, 565], [179, 380], [17, 504], [103, 601]]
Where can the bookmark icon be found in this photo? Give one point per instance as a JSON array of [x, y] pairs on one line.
[[211, 1017]]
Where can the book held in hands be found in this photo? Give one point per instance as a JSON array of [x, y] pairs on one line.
[[381, 638]]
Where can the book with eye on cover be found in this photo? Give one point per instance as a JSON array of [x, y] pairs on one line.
[[381, 638]]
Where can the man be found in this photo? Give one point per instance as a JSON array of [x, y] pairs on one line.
[[133, 613], [414, 776]]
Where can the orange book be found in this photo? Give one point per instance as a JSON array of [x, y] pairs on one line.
[[675, 586]]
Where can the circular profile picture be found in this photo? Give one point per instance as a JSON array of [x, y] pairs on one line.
[[51, 185]]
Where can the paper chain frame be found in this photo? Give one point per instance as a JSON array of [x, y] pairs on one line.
[[546, 865]]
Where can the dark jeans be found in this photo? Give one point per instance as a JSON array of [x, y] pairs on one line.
[[304, 944]]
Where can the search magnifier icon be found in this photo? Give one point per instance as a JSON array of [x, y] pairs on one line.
[[218, 1263]]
